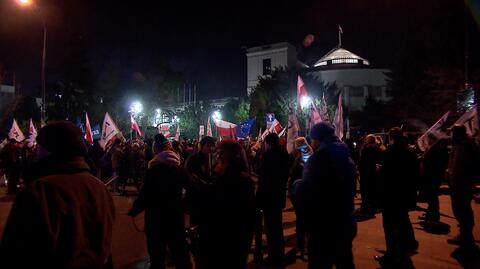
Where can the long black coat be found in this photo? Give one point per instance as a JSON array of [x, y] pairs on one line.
[[399, 177], [272, 178]]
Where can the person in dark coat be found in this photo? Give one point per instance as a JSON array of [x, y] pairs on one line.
[[399, 176], [227, 212], [435, 162], [161, 197], [271, 195], [199, 164], [462, 171], [370, 158], [326, 198], [64, 217]]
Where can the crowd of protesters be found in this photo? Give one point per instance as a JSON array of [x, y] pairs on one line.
[[232, 191]]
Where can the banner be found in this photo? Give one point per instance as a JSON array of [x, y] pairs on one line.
[[276, 127], [109, 131], [15, 132], [433, 134]]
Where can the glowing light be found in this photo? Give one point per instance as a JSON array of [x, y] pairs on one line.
[[25, 2], [305, 101], [136, 108], [216, 115]]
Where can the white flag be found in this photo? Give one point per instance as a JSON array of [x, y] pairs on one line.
[[209, 128], [292, 129], [433, 134], [177, 133], [338, 119], [109, 131], [15, 132], [470, 120]]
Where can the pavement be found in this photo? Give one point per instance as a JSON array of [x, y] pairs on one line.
[[129, 248]]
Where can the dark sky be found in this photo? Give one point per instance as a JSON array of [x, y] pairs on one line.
[[206, 39]]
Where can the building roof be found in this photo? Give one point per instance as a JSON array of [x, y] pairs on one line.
[[341, 56]]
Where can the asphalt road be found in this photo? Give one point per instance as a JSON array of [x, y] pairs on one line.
[[129, 250]]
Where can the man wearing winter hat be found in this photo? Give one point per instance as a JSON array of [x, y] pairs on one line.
[[161, 197], [326, 199], [64, 218]]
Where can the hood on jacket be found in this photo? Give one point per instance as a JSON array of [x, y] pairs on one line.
[[169, 157]]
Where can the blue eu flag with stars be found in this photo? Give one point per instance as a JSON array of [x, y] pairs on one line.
[[244, 128]]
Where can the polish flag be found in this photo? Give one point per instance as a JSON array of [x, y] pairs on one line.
[[88, 130], [338, 119], [134, 126], [301, 92], [276, 127], [224, 128]]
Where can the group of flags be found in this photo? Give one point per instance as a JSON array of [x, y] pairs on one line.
[[469, 119]]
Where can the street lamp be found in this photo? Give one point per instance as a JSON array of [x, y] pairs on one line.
[[305, 101], [216, 115], [29, 3], [136, 108]]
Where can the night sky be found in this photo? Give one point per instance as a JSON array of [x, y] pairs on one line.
[[207, 40]]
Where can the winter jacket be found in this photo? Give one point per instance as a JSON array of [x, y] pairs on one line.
[[272, 178], [63, 219]]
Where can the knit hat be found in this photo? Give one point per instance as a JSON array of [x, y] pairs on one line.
[[322, 130], [169, 157], [62, 139]]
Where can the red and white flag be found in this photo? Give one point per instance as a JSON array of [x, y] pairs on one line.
[[209, 128], [134, 126], [109, 131], [471, 121], [433, 134], [88, 130], [233, 132], [164, 128], [177, 133], [338, 119], [224, 128], [15, 132], [301, 92], [276, 127]]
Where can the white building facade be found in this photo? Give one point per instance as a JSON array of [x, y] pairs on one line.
[[352, 74]]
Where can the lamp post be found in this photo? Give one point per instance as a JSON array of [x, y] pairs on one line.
[[29, 3]]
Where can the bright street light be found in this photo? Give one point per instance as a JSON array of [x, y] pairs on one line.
[[305, 101], [216, 115], [136, 108], [25, 2]]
